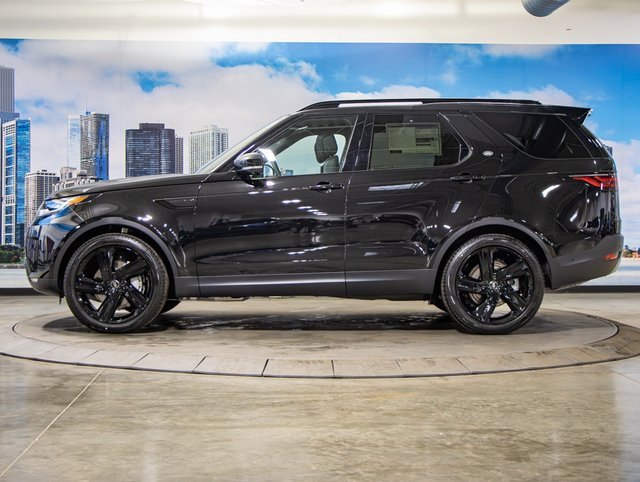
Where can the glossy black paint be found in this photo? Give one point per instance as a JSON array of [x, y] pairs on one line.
[[355, 233], [397, 219], [288, 225]]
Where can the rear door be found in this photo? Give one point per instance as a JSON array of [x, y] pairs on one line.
[[425, 175]]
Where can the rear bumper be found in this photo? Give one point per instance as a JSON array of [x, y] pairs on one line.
[[575, 268]]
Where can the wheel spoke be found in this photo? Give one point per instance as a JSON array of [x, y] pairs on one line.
[[516, 302], [88, 285], [485, 309], [109, 306], [105, 261], [137, 299], [134, 268], [470, 285], [514, 270], [486, 264]]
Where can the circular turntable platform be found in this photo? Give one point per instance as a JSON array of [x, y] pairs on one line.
[[322, 338]]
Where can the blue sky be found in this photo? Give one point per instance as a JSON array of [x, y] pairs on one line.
[[604, 77], [244, 86]]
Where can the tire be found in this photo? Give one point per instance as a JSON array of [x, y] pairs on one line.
[[492, 285], [116, 283], [169, 305]]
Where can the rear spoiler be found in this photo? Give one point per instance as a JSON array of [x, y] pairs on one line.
[[577, 114]]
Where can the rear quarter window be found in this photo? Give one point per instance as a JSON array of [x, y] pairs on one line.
[[539, 135]]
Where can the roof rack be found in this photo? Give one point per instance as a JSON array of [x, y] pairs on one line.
[[330, 104]]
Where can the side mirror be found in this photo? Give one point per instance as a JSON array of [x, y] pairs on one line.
[[249, 165]]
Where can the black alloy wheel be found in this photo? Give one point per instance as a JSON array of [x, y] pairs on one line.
[[116, 283], [493, 284]]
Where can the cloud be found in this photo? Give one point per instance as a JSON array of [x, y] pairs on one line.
[[233, 49], [178, 84], [449, 76], [462, 55], [368, 81], [525, 51], [392, 92], [299, 68], [592, 125], [549, 94], [55, 79], [468, 53]]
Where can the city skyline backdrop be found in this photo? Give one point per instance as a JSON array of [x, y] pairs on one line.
[[243, 86]]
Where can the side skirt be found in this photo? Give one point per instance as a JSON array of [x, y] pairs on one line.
[[416, 284]]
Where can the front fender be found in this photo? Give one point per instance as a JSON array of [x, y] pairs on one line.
[[177, 260]]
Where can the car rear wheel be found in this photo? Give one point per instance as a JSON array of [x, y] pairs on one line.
[[116, 283], [492, 284]]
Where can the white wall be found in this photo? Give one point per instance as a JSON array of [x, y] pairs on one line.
[[446, 21]]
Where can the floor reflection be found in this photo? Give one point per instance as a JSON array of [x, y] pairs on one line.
[[280, 322]]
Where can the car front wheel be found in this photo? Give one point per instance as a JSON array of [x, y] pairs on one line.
[[116, 283], [492, 284]]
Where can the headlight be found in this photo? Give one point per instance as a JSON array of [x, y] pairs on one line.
[[55, 208]]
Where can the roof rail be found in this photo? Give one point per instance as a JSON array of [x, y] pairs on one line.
[[330, 104]]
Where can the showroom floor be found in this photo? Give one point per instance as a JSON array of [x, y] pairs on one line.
[[64, 422]]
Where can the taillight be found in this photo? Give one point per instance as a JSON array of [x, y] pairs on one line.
[[603, 183]]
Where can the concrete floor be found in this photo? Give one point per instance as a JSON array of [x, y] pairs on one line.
[[62, 422]]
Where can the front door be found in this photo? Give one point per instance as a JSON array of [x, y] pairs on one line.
[[283, 232]]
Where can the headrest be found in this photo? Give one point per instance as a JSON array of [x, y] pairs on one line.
[[326, 146]]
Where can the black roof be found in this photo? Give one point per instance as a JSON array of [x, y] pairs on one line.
[[578, 114], [329, 104]]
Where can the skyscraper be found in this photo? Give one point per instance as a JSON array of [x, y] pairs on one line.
[[7, 90], [7, 101], [206, 144], [150, 149], [38, 186], [79, 180], [67, 172], [73, 141], [94, 144], [179, 155], [16, 162]]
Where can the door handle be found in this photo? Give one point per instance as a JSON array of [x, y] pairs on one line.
[[467, 178], [326, 186]]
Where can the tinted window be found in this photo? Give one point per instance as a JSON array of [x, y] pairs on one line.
[[413, 142], [596, 144], [539, 135], [312, 145]]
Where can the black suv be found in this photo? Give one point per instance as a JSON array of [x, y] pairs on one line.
[[475, 205]]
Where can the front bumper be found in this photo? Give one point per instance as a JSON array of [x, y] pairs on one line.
[[587, 264], [42, 245], [43, 284]]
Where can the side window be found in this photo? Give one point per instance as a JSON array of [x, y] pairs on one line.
[[414, 142], [539, 135], [312, 145]]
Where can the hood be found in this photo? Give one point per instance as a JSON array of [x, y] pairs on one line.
[[131, 183]]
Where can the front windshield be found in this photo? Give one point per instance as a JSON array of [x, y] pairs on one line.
[[219, 161]]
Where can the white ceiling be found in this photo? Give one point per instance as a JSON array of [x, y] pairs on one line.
[[454, 21]]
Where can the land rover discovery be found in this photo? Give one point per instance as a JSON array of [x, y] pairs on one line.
[[477, 206]]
